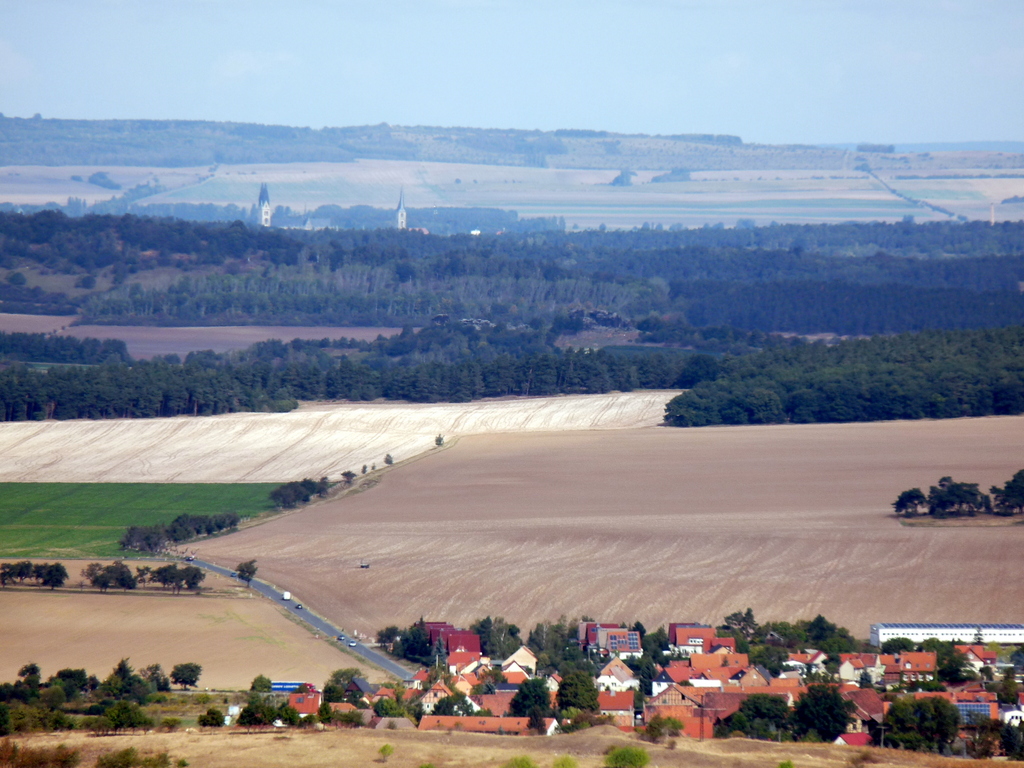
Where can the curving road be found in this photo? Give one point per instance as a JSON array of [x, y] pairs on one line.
[[314, 621]]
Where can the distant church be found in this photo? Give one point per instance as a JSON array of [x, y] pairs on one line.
[[400, 213], [264, 205]]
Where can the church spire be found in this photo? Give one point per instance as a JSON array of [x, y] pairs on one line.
[[400, 212], [264, 205]]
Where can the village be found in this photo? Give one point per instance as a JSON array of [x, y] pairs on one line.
[[707, 689]]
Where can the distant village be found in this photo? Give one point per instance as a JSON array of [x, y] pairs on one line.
[[702, 688]]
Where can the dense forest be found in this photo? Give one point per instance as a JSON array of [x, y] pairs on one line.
[[851, 279], [934, 374]]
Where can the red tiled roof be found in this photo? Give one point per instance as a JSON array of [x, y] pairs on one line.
[[608, 701]]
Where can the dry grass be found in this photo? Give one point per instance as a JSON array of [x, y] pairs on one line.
[[314, 441], [234, 635], [458, 750], [660, 525]]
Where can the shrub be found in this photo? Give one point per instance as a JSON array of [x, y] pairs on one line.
[[565, 761], [171, 723], [520, 761], [627, 757]]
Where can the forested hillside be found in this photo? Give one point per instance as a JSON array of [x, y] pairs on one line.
[[911, 376], [845, 279]]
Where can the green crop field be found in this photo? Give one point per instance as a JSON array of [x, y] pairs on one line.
[[87, 519]]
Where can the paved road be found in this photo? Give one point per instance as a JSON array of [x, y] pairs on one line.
[[316, 622]]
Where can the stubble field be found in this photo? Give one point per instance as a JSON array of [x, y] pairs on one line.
[[233, 636], [660, 525], [314, 441]]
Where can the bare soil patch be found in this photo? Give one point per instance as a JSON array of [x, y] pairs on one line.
[[660, 525], [315, 441], [233, 634]]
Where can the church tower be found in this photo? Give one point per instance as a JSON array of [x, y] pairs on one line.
[[264, 205], [400, 213]]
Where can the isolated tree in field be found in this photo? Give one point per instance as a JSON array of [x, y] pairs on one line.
[[348, 476], [439, 441], [389, 460], [246, 571], [910, 502], [385, 752], [186, 675]]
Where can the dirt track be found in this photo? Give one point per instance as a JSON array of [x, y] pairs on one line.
[[312, 442], [660, 524]]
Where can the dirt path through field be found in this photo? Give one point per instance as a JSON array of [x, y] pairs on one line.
[[660, 524]]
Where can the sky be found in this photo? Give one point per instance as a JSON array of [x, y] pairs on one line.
[[770, 71]]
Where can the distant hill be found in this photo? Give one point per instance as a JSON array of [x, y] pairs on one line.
[[184, 143]]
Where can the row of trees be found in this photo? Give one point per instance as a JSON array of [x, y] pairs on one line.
[[952, 499], [158, 388], [155, 538], [298, 492], [171, 576], [50, 575], [108, 705]]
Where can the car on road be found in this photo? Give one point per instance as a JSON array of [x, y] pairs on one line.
[[352, 643], [341, 637], [298, 606]]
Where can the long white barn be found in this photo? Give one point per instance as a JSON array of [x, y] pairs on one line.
[[990, 633]]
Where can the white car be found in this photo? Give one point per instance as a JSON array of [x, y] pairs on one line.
[[352, 643]]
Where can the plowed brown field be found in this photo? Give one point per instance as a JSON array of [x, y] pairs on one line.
[[660, 525], [314, 441]]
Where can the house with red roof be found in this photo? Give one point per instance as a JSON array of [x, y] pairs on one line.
[[618, 705], [306, 699], [434, 694], [978, 656], [616, 676]]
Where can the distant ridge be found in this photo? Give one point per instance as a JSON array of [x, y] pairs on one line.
[[196, 143]]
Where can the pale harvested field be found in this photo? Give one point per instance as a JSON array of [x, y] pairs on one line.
[[660, 524], [234, 638], [215, 749], [315, 441], [11, 323], [144, 342]]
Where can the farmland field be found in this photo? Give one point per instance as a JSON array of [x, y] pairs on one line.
[[87, 519], [660, 525], [314, 441], [234, 638], [146, 342]]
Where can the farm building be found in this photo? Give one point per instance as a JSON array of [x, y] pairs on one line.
[[918, 633]]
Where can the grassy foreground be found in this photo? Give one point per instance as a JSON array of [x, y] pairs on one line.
[[411, 749], [87, 519]]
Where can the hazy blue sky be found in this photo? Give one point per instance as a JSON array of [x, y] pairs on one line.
[[776, 71]]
